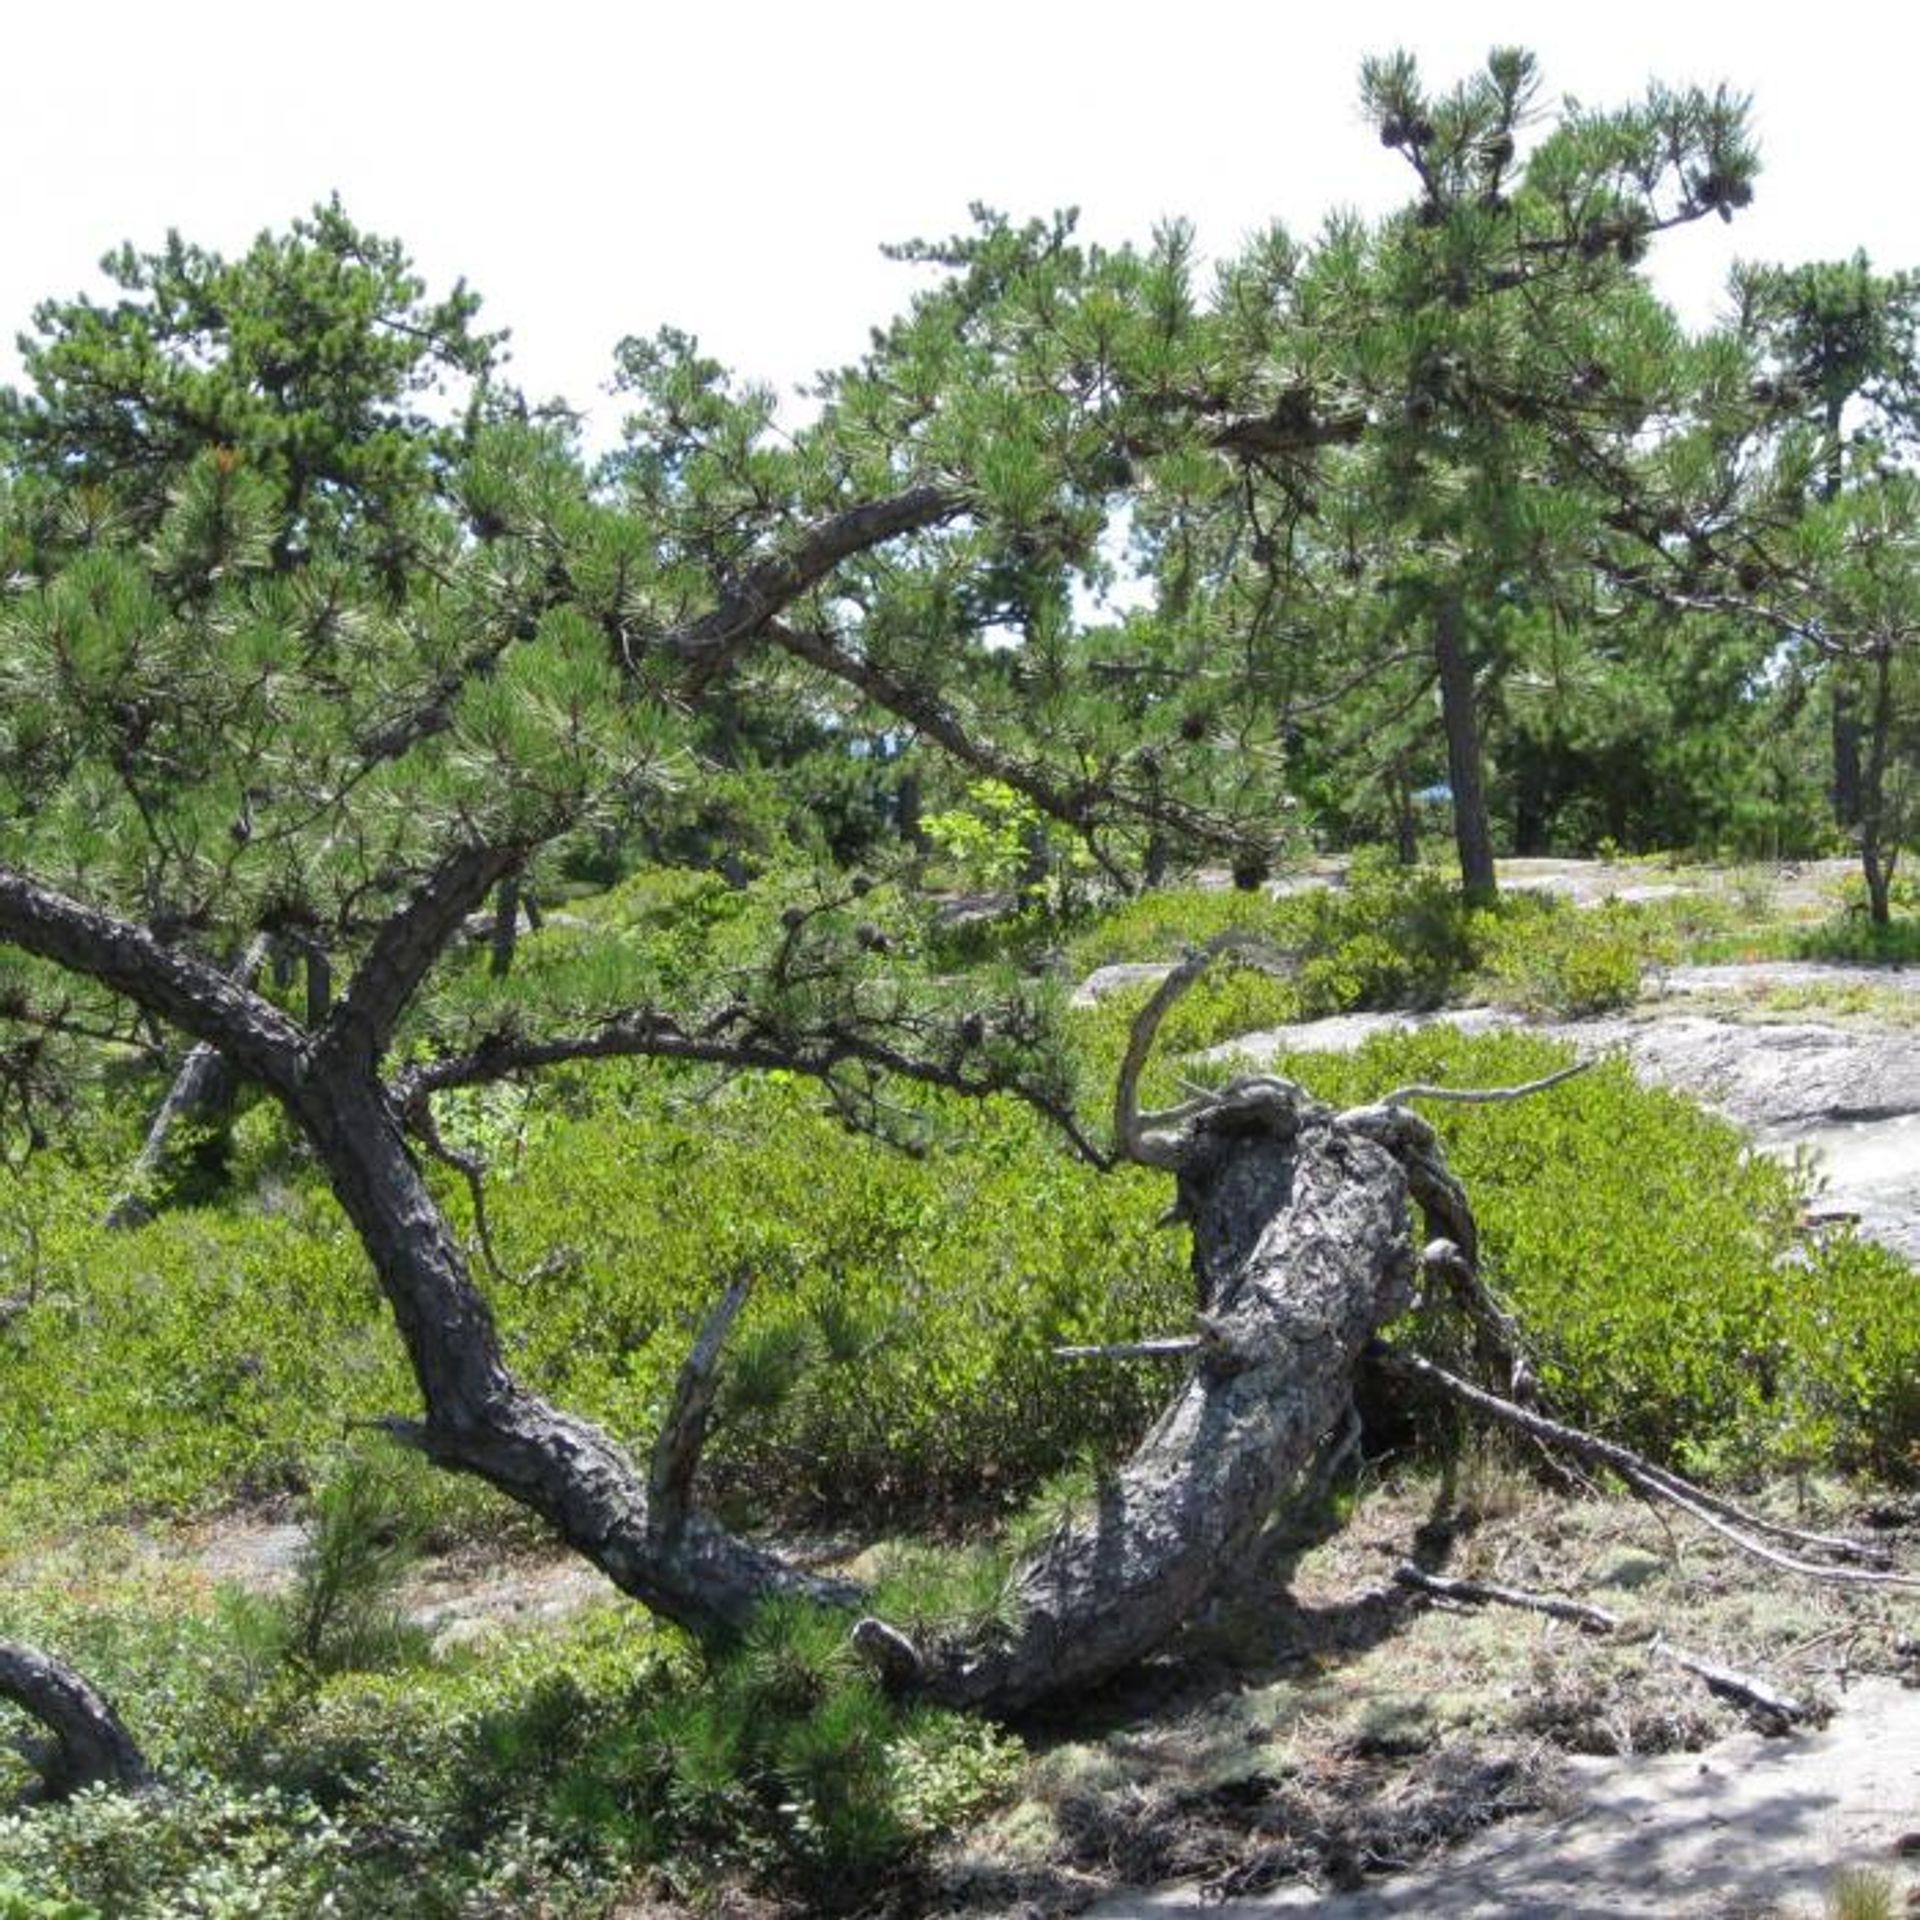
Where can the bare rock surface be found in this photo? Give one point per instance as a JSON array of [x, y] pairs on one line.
[[1751, 1827], [1848, 1096], [1766, 976]]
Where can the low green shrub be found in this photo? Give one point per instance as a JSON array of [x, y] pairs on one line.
[[537, 1774], [342, 1611], [1545, 957], [1656, 1263], [896, 1355], [790, 1757]]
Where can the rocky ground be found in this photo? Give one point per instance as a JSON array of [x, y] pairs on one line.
[[1748, 1829], [1814, 1060]]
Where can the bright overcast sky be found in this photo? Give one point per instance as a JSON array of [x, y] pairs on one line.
[[731, 168]]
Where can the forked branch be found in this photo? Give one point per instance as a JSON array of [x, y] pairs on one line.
[[1146, 1137]]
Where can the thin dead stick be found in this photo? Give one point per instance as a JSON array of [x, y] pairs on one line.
[[1482, 1096], [683, 1433], [1477, 1593], [1720, 1516], [1776, 1711], [472, 1169], [1174, 1347]]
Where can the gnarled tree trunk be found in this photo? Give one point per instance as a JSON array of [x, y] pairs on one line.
[[1301, 1254], [90, 1745]]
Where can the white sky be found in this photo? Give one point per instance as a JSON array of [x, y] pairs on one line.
[[599, 170]]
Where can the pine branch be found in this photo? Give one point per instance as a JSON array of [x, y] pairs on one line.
[[201, 999]]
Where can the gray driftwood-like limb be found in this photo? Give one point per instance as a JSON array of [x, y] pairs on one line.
[[1154, 1138], [1483, 1096], [1776, 1712], [1498, 1339], [683, 1434], [90, 1744], [203, 1090], [1174, 1347], [1482, 1593], [1864, 1564]]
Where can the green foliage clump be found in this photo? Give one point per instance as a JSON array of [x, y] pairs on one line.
[[536, 1774], [201, 1851], [1549, 958], [1389, 936], [342, 1612], [1654, 1261], [897, 1350], [790, 1757]]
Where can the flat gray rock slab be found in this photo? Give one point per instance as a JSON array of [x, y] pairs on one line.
[[1751, 1826], [1123, 974]]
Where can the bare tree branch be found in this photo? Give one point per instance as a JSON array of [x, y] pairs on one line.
[[1774, 1710], [203, 1086], [201, 999], [1130, 1127], [1477, 1593], [1483, 1096], [1732, 1523], [683, 1434], [772, 585], [1173, 1347], [644, 1033]]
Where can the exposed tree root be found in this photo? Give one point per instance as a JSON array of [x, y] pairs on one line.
[[90, 1745]]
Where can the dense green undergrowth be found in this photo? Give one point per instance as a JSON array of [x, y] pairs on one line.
[[538, 1772], [895, 1364], [896, 1356]]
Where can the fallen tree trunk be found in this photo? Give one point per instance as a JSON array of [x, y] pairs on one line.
[[1301, 1254], [90, 1744]]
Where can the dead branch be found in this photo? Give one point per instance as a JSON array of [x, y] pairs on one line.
[[1479, 1593], [1174, 1347], [1483, 1096], [1130, 1126], [1497, 1332], [471, 1168], [204, 1086], [1775, 1712], [1732, 1523], [683, 1434]]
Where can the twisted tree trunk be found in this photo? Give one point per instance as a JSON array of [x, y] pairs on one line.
[[1301, 1255], [90, 1744]]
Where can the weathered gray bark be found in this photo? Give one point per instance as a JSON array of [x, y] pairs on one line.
[[90, 1745], [1301, 1255], [202, 1094]]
